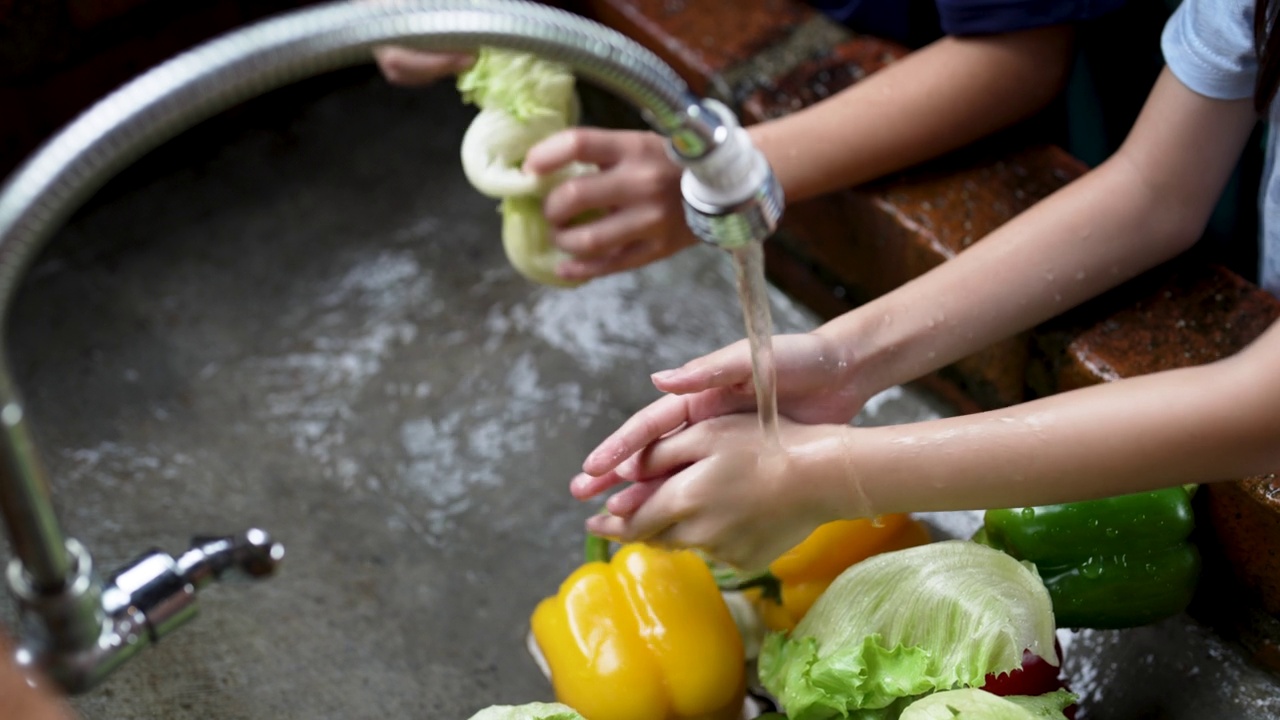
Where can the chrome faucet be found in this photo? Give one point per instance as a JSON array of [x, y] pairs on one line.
[[76, 628]]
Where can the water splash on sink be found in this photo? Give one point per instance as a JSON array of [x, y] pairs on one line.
[[312, 385]]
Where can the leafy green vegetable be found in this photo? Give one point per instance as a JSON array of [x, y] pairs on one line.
[[903, 624], [493, 150], [524, 85], [523, 99], [531, 711], [526, 238], [976, 704]]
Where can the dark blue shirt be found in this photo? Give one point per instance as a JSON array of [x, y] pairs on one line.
[[917, 23]]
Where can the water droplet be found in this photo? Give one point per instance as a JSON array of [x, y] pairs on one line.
[[1093, 522], [1091, 570], [1112, 532], [1151, 568], [1028, 512], [877, 521]]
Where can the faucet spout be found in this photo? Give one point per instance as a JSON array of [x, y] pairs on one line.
[[77, 628]]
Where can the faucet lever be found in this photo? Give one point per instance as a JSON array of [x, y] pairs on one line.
[[252, 554], [163, 588], [80, 633]]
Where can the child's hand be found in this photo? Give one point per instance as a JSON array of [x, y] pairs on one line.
[[637, 189], [411, 68], [710, 487], [814, 385]]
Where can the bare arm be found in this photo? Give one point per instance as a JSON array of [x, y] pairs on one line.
[[714, 489], [1146, 204], [1201, 424], [709, 486], [937, 99]]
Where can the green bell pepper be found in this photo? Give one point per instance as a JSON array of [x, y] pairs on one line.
[[1113, 563]]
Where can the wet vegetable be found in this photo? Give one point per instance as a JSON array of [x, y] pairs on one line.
[[903, 624], [1112, 563], [531, 711], [975, 704], [795, 581], [1034, 677], [522, 99], [642, 636]]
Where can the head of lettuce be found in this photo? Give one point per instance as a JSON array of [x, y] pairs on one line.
[[900, 626]]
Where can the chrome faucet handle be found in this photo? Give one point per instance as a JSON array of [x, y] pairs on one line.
[[80, 633], [252, 554], [163, 588]]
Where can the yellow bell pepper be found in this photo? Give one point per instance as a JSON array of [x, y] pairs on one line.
[[644, 636], [796, 579]]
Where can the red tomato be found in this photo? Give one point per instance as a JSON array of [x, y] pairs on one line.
[[1035, 677]]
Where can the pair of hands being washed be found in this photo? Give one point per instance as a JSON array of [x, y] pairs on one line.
[[691, 460], [637, 188], [692, 463]]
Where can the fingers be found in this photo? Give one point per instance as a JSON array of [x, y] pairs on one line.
[[630, 185], [647, 520], [607, 526], [585, 145], [637, 254], [627, 501], [667, 455], [402, 66], [603, 238], [660, 418], [729, 366], [663, 415], [585, 487]]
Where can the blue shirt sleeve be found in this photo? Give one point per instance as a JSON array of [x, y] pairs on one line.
[[984, 17]]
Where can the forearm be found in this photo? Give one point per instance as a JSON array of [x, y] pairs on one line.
[[1143, 206], [1202, 424], [1054, 256], [939, 98]]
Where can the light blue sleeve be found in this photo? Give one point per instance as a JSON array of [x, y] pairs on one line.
[[1208, 45]]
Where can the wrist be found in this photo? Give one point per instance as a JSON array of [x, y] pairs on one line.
[[860, 351], [765, 137], [826, 468]]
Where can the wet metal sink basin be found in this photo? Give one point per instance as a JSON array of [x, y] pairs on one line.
[[299, 317]]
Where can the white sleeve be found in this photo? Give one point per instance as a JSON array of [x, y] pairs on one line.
[[1208, 45]]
